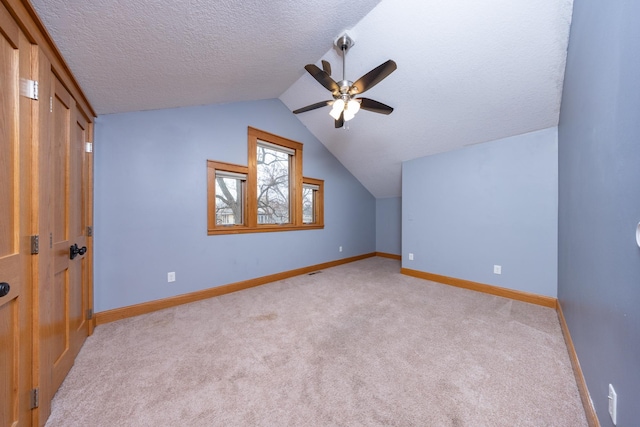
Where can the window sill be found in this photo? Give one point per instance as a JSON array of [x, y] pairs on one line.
[[262, 229]]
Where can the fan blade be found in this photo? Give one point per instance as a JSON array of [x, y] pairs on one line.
[[312, 107], [326, 67], [375, 106], [340, 121], [323, 78], [373, 77]]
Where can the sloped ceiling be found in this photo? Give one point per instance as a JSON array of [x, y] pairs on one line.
[[132, 55], [468, 71]]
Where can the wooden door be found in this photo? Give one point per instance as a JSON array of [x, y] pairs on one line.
[[64, 286], [15, 226]]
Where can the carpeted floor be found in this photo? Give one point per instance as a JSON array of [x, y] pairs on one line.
[[355, 345]]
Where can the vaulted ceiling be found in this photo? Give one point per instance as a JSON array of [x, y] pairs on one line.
[[468, 71]]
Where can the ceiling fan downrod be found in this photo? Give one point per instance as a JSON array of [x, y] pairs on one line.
[[344, 43]]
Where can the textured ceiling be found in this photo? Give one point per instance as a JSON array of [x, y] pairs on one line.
[[131, 55], [469, 71]]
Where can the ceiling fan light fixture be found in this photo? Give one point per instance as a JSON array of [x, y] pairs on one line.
[[348, 115], [338, 106], [353, 106], [351, 109], [344, 104]]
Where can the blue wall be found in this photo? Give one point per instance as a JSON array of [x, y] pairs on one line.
[[599, 187], [494, 203], [389, 225], [151, 203]]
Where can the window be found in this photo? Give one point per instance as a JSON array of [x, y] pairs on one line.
[[229, 197], [312, 197], [308, 204], [273, 163], [270, 194], [227, 194]]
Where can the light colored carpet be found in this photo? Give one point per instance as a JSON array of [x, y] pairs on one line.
[[355, 345]]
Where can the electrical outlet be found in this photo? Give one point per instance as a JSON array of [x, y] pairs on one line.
[[613, 404], [171, 277], [497, 269], [410, 257], [340, 249]]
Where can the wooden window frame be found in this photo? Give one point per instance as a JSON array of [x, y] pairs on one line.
[[212, 167], [318, 204], [250, 190]]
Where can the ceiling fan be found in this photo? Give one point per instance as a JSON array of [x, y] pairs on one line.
[[344, 104]]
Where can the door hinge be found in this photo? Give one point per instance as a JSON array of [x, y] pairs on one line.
[[89, 313], [89, 231], [51, 104], [35, 398], [35, 244], [88, 147], [29, 88]]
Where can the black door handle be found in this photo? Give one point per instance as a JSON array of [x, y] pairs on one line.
[[74, 251], [4, 289]]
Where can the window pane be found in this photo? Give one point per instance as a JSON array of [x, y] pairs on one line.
[[308, 205], [273, 186], [228, 201]]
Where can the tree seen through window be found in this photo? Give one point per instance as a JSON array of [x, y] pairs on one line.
[[273, 186]]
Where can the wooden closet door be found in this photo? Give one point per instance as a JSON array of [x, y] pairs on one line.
[[15, 226], [63, 290]]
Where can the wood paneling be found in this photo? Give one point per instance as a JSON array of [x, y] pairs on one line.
[[87, 261], [43, 220], [148, 307], [45, 190], [9, 362], [8, 142], [481, 287], [60, 164], [15, 225], [78, 200], [64, 293], [37, 34]]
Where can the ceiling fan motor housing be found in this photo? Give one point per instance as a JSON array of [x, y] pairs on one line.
[[344, 87]]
